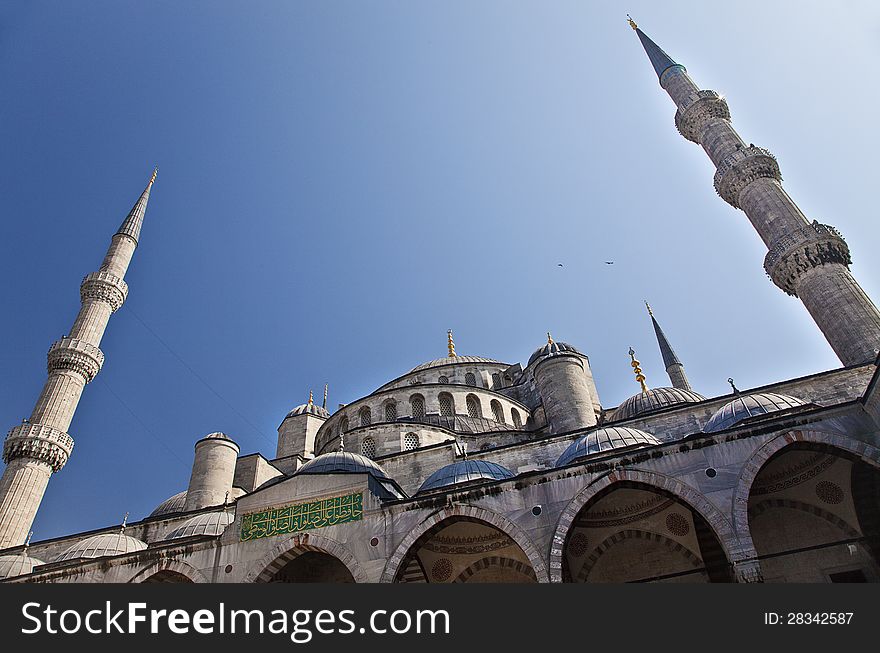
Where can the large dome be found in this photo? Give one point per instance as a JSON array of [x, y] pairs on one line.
[[605, 439], [17, 564], [343, 462], [454, 360], [210, 523], [747, 406], [552, 348], [654, 399], [465, 471], [106, 544]]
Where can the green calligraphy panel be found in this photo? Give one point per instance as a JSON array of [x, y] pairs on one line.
[[302, 516]]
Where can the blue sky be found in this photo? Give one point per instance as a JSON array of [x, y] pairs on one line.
[[341, 182]]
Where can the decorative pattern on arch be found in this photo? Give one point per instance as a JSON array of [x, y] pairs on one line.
[[495, 561], [290, 548], [831, 518], [169, 565], [632, 533], [734, 549], [503, 524], [750, 470]]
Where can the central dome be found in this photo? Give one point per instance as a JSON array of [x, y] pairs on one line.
[[454, 360]]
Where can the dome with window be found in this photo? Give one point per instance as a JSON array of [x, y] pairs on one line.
[[747, 406], [655, 399], [605, 439], [98, 546], [342, 462], [465, 471]]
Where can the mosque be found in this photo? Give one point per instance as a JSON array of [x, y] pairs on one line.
[[468, 469]]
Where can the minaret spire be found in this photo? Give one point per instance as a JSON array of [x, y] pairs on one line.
[[40, 445], [674, 367], [806, 259]]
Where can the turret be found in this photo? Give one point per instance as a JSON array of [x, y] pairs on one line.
[[213, 470], [296, 434], [806, 259], [565, 383]]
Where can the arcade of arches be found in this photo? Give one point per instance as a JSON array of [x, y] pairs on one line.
[[313, 567]]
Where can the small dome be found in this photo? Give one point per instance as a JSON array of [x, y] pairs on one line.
[[465, 471], [211, 523], [552, 348], [747, 406], [343, 462], [605, 439], [654, 399], [171, 505], [17, 565], [309, 409], [98, 546], [216, 435], [454, 360]]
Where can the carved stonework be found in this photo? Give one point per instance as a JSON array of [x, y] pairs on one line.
[[797, 252], [697, 111], [748, 571], [741, 168], [104, 287], [75, 356], [39, 443]]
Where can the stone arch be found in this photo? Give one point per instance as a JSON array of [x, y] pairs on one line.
[[721, 526], [633, 533], [291, 547], [473, 513], [173, 566], [495, 561], [755, 463], [816, 511]]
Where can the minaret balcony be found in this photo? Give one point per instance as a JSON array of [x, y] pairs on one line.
[[800, 250], [75, 355], [104, 287], [38, 442], [741, 168], [697, 111]]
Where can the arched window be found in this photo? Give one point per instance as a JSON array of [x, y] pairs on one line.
[[390, 411], [473, 406], [470, 379], [517, 420], [343, 425], [365, 417], [447, 405], [496, 380], [410, 441], [443, 379], [417, 406], [497, 411], [368, 447]]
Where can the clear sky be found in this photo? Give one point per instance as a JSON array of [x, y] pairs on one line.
[[341, 182]]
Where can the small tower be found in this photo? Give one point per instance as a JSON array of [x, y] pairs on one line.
[[564, 381], [40, 446], [213, 471], [674, 368], [296, 434], [806, 259]]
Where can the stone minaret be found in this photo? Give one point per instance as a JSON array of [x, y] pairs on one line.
[[41, 445], [674, 368], [806, 259]]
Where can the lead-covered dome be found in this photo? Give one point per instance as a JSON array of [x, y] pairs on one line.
[[17, 565], [605, 439], [342, 462], [465, 471], [552, 348], [454, 360], [98, 546], [210, 523], [172, 504], [747, 406], [654, 399], [309, 409]]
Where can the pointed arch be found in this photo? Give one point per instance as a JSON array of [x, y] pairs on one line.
[[170, 566], [263, 570]]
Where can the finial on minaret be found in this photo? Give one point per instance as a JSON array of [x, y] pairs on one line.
[[637, 370], [450, 344], [631, 22], [153, 178], [133, 222], [311, 398], [324, 405], [648, 306]]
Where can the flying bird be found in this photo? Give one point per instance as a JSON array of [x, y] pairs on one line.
[[560, 265], [609, 262]]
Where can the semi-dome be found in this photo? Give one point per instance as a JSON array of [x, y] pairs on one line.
[[454, 360], [106, 544], [343, 462], [172, 504], [465, 471], [552, 348], [654, 399], [605, 439], [210, 523], [747, 406], [17, 565]]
